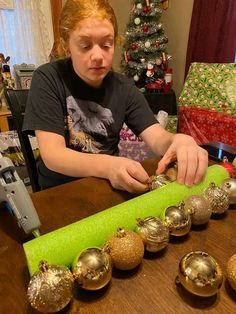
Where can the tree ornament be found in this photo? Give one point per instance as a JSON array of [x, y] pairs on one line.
[[133, 46], [142, 60], [199, 209], [139, 6], [145, 28], [50, 288], [229, 185], [146, 9], [157, 181], [231, 271], [229, 167], [218, 198], [158, 61], [177, 220], [136, 77], [172, 172], [165, 40], [126, 249], [200, 274], [93, 269], [148, 2], [126, 57], [147, 44], [154, 233], [137, 21], [150, 70]]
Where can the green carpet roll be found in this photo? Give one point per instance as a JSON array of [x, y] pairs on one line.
[[62, 245]]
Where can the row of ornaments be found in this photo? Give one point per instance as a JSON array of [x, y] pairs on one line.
[[51, 288]]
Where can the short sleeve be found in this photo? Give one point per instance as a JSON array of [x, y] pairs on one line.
[[46, 102]]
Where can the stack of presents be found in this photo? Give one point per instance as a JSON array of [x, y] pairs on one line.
[[206, 109], [207, 104]]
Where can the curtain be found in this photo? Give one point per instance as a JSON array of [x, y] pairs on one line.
[[212, 36], [24, 36]]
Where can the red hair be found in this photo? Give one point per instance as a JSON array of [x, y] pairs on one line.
[[74, 11]]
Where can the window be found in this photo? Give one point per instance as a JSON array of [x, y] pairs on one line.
[[25, 31]]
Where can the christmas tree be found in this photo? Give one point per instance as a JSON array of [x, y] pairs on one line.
[[145, 58]]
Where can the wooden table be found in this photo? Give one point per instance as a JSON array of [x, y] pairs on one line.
[[149, 289], [5, 113]]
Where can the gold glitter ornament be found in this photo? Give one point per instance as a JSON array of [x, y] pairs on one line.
[[231, 271], [229, 185], [199, 209], [126, 249], [50, 288], [200, 274], [218, 198], [154, 233], [177, 220], [157, 181], [93, 269]]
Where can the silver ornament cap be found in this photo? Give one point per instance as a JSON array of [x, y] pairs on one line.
[[157, 181]]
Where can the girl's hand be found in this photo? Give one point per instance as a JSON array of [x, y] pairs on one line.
[[192, 159], [129, 175]]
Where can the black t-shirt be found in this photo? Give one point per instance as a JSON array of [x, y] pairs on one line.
[[90, 119]]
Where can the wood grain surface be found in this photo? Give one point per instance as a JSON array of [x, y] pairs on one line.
[[148, 289]]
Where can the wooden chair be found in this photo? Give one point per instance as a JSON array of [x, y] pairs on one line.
[[16, 100]]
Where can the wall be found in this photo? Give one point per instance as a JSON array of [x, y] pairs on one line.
[[176, 21]]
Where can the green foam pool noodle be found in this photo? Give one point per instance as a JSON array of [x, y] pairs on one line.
[[62, 245]]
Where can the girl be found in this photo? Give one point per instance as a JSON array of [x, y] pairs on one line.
[[77, 107]]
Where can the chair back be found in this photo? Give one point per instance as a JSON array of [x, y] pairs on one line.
[[16, 100]]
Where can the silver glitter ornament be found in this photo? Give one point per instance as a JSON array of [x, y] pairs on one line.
[[229, 185], [157, 181], [200, 274], [177, 220], [199, 209], [93, 269], [50, 289], [218, 198], [154, 232]]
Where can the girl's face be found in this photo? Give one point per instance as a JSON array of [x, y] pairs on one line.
[[91, 47]]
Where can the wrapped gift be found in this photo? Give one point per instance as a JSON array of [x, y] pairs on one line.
[[132, 146], [207, 104]]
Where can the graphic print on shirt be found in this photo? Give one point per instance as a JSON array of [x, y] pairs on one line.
[[87, 119]]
